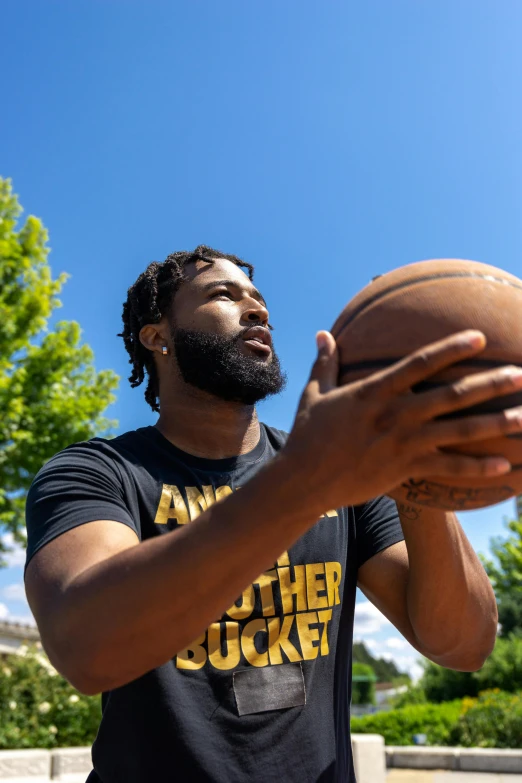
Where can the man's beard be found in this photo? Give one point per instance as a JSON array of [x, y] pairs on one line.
[[216, 365]]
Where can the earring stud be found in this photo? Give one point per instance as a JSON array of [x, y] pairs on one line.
[[164, 350]]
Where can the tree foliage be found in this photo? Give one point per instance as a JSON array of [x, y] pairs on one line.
[[385, 671], [363, 684], [505, 573], [503, 668], [441, 684], [50, 393]]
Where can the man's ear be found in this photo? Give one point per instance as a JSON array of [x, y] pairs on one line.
[[154, 337]]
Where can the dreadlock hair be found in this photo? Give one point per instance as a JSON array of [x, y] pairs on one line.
[[148, 299]]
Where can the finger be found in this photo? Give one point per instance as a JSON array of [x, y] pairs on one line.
[[471, 428], [427, 361], [325, 370], [459, 466], [464, 393]]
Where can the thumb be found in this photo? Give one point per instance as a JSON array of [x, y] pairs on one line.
[[326, 367]]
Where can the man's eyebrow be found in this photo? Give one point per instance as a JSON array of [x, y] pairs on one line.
[[253, 291]]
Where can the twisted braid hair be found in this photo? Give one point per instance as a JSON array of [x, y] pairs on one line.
[[148, 299]]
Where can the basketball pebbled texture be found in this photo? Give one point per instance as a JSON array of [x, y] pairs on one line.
[[410, 307]]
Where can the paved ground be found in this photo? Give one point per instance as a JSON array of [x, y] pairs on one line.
[[39, 779], [393, 776], [418, 776]]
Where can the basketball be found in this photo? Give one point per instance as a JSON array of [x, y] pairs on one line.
[[404, 310]]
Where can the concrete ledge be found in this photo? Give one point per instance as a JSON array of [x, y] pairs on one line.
[[33, 765], [369, 758], [422, 757], [490, 760], [458, 759], [68, 763]]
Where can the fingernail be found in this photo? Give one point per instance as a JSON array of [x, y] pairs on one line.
[[321, 340], [515, 415], [474, 338], [514, 373], [497, 465]]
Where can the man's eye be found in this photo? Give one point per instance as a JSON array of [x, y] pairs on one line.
[[224, 292]]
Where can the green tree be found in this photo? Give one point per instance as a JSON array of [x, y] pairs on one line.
[[503, 668], [441, 684], [363, 684], [385, 671], [505, 572], [50, 393]]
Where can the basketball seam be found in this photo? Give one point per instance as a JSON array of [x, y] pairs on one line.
[[417, 281]]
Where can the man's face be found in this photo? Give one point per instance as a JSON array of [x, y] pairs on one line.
[[220, 334]]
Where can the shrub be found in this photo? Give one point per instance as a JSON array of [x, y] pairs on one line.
[[398, 726], [39, 709], [494, 720]]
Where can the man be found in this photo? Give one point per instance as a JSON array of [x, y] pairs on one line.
[[139, 546]]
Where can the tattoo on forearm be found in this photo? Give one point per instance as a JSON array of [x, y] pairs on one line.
[[409, 512], [429, 493]]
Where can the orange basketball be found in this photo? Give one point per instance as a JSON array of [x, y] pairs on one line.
[[406, 309]]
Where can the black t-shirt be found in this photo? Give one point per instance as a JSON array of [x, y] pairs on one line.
[[263, 694]]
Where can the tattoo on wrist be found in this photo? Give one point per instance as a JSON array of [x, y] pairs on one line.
[[409, 512], [442, 496]]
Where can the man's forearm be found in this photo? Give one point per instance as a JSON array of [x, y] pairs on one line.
[[139, 608], [451, 604]]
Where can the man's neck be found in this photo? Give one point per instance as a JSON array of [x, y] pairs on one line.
[[205, 426]]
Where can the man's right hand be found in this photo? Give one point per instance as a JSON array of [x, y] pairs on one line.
[[358, 441]]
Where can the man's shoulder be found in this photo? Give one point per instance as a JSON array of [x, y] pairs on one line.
[[124, 440], [277, 438], [99, 449]]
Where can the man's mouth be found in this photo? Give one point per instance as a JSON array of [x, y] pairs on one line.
[[259, 339]]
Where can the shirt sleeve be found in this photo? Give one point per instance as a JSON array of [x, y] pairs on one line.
[[377, 526], [77, 485]]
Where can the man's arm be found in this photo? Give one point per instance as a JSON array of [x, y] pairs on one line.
[[433, 588], [110, 608]]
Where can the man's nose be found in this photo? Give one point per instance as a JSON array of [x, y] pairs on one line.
[[256, 313]]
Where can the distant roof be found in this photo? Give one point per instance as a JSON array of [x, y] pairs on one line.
[[22, 631]]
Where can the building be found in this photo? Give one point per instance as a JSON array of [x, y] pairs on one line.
[[15, 635]]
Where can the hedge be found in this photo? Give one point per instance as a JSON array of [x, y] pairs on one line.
[[493, 720], [39, 709], [398, 726]]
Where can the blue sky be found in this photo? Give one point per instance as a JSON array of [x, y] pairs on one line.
[[323, 142]]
